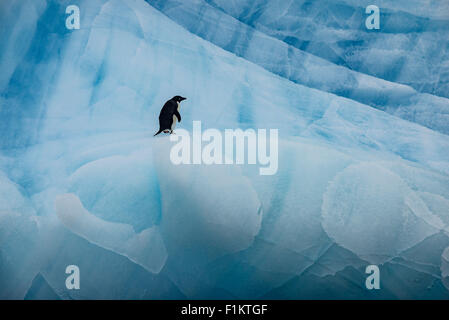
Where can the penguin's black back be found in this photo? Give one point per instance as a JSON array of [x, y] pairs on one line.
[[166, 115], [168, 110]]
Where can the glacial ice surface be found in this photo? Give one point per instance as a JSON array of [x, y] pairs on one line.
[[403, 68], [84, 182]]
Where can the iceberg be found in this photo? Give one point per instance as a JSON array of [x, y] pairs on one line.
[[363, 155], [401, 68]]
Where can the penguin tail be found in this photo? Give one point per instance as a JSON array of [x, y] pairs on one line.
[[160, 130]]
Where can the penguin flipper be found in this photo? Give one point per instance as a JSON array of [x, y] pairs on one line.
[[178, 115]]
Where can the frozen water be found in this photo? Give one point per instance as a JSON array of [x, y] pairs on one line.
[[145, 248], [83, 181], [376, 230], [325, 45]]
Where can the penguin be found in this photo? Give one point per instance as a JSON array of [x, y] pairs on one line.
[[169, 115]]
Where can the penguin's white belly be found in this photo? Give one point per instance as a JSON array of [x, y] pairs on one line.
[[173, 125]]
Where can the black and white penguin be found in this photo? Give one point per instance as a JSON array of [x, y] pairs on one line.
[[170, 114]]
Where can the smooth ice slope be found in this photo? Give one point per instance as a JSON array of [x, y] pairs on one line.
[[403, 68], [84, 181]]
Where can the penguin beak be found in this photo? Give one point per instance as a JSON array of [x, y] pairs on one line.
[[182, 98]]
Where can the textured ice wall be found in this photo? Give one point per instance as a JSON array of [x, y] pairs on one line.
[[403, 68], [84, 182]]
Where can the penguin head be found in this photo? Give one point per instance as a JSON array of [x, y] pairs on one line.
[[178, 98]]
